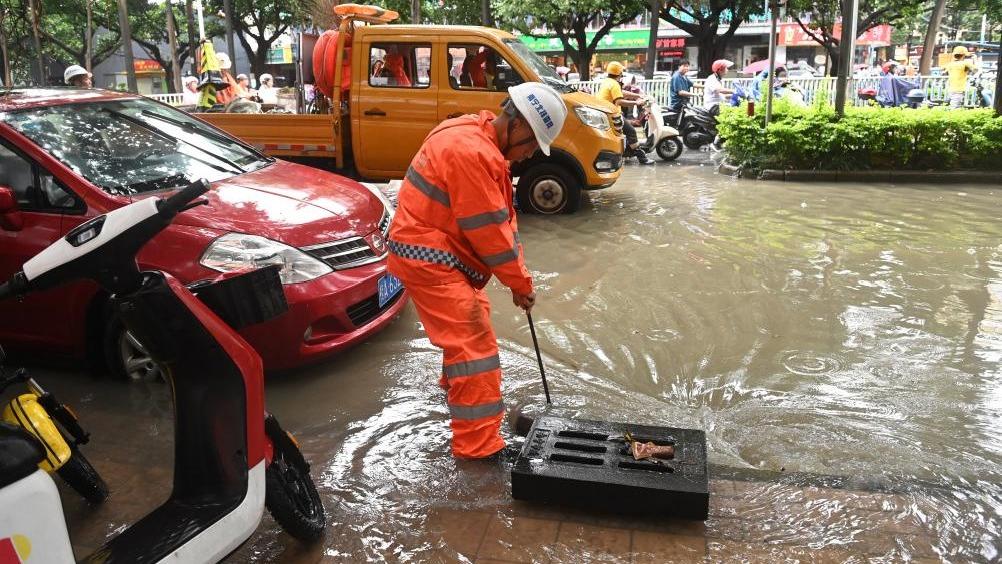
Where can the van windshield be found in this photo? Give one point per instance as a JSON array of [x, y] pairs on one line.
[[133, 146], [533, 61]]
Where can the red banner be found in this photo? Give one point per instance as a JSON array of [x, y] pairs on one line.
[[146, 65], [672, 47], [793, 34]]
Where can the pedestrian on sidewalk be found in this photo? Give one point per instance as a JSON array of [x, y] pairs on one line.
[[454, 229]]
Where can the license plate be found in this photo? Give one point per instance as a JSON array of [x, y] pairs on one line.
[[389, 286]]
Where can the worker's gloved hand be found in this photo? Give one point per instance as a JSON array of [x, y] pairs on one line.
[[524, 301]]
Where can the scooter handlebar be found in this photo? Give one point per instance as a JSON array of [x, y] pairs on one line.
[[169, 207], [16, 286]]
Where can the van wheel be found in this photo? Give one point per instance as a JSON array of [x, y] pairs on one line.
[[669, 148], [548, 189], [125, 356]]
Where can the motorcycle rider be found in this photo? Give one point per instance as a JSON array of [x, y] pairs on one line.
[[681, 88], [714, 92], [611, 91]]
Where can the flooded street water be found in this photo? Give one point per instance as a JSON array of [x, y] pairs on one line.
[[842, 336]]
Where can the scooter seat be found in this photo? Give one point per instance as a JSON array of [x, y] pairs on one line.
[[20, 454]]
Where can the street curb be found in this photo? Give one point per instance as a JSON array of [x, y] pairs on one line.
[[900, 176]]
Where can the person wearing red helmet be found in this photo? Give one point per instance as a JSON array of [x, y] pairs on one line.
[[713, 88]]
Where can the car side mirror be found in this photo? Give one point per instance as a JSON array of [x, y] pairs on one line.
[[10, 216]]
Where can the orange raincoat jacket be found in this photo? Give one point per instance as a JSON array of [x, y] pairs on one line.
[[455, 219]]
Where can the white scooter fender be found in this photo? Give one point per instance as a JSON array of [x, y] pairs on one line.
[[37, 531]]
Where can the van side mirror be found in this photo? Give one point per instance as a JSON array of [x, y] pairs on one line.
[[506, 78], [10, 216]]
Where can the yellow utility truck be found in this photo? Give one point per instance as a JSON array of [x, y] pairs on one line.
[[389, 85]]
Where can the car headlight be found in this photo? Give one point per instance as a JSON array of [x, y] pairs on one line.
[[592, 117], [379, 196], [238, 251]]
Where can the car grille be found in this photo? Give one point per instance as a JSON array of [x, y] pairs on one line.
[[351, 252], [368, 309], [342, 254], [617, 123]]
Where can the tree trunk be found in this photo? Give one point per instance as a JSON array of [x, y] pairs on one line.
[[486, 16], [33, 8], [710, 50], [89, 37], [652, 43], [130, 66], [582, 58], [3, 52], [930, 36], [415, 11], [189, 15], [174, 76], [228, 19]]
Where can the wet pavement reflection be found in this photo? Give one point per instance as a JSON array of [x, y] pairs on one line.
[[839, 343]]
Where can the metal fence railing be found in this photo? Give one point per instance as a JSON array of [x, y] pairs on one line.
[[172, 99], [934, 86]]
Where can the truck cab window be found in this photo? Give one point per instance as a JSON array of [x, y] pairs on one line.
[[400, 65], [474, 66]]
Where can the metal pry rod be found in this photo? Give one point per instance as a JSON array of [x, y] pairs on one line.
[[539, 357]]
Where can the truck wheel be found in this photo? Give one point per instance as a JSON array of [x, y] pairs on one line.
[[83, 478], [292, 498], [126, 357], [547, 188], [669, 148]]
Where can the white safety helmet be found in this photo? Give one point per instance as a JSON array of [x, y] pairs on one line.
[[224, 61], [189, 79], [264, 77], [72, 71], [543, 108]]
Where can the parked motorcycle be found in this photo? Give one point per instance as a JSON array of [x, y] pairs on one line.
[[697, 126], [58, 431], [231, 458], [660, 138]]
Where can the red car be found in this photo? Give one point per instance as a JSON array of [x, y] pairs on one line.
[[68, 155]]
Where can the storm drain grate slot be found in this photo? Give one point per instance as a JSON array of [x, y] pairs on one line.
[[583, 435], [649, 467], [580, 447], [577, 459]]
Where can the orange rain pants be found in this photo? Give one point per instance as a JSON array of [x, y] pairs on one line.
[[457, 318]]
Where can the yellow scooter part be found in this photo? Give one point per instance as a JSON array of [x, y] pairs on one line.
[[25, 412]]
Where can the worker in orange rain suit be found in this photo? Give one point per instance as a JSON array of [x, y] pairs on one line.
[[455, 227]]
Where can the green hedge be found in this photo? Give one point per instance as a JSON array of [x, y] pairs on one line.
[[813, 138]]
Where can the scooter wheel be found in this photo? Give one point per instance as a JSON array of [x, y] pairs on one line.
[[292, 498], [669, 148], [83, 478]]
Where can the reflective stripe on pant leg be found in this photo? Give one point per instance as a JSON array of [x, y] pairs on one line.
[[456, 318]]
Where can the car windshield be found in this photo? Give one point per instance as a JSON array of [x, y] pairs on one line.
[[133, 146], [532, 60]]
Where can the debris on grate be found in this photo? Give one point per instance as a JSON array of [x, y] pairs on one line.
[[596, 463]]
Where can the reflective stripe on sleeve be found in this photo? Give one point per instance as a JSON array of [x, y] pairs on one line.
[[469, 412], [472, 366], [429, 189], [501, 258], [482, 219]]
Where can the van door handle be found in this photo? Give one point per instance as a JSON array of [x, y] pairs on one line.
[[375, 112], [454, 115]]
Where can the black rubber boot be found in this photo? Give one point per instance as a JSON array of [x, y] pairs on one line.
[[642, 157]]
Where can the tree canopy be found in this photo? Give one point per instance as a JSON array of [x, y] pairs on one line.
[[569, 20], [702, 19]]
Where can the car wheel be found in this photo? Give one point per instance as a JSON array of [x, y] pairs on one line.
[[547, 188], [669, 148], [125, 356]]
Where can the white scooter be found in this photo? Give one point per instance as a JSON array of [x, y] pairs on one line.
[[663, 139], [231, 458]]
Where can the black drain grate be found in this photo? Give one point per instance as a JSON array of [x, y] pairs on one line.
[[590, 463]]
